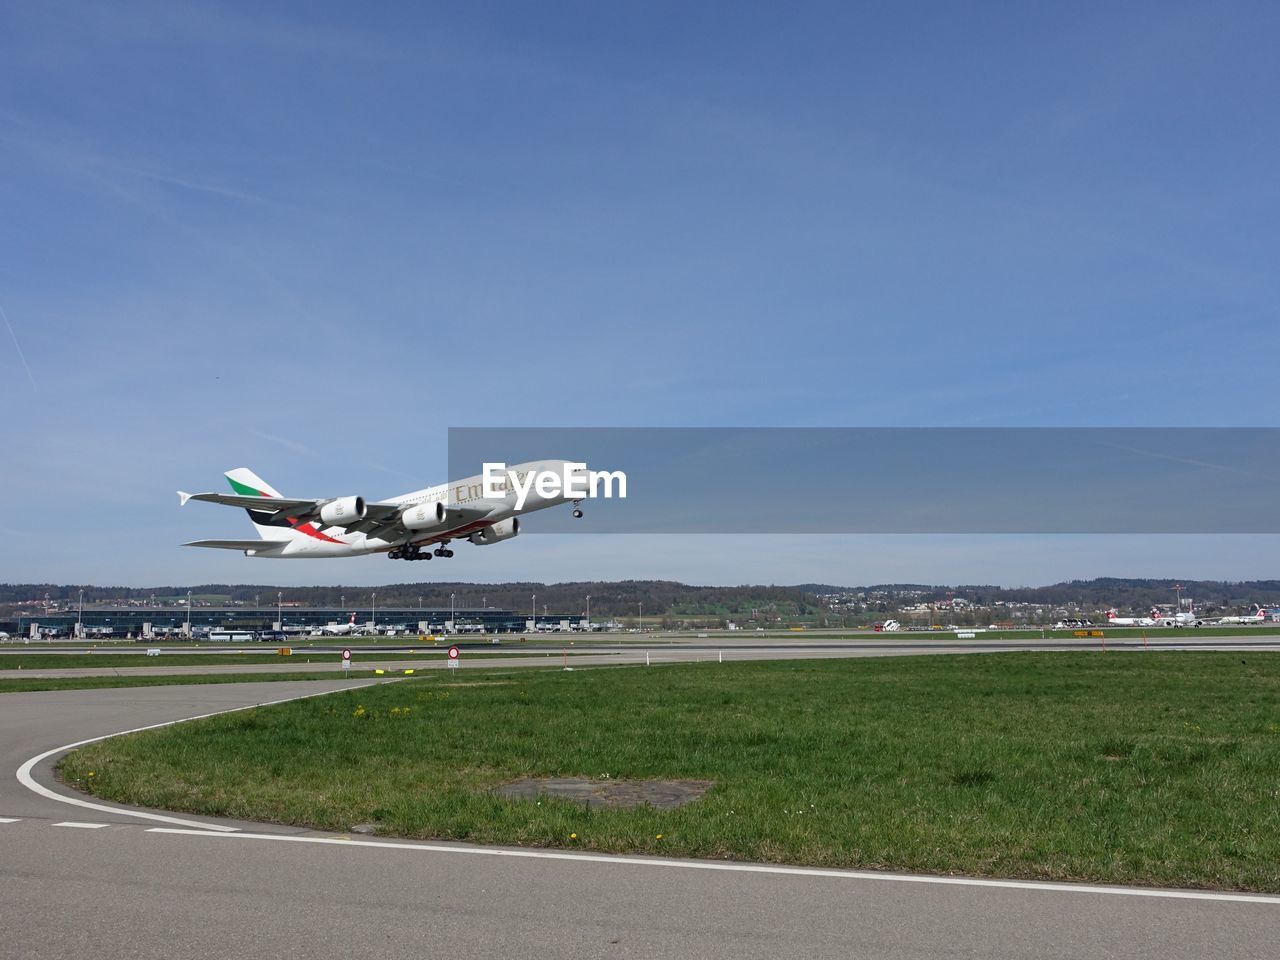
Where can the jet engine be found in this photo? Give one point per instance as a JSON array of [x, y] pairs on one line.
[[423, 516], [342, 512], [502, 530]]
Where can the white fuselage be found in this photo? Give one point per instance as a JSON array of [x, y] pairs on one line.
[[1259, 616], [1115, 621]]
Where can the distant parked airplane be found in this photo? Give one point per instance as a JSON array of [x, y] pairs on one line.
[[1259, 615], [1118, 621], [339, 629]]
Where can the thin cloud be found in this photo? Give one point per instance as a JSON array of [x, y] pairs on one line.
[[393, 472], [17, 346], [1157, 455], [296, 446], [214, 189]]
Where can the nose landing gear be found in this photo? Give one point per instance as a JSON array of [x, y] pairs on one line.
[[577, 511]]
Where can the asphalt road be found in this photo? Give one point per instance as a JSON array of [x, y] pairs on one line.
[[119, 885]]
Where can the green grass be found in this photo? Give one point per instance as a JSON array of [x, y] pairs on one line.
[[24, 684], [1159, 768]]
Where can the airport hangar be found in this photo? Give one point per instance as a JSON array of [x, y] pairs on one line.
[[140, 622]]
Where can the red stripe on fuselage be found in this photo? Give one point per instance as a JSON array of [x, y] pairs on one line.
[[311, 530]]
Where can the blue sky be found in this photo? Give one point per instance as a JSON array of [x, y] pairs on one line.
[[309, 239]]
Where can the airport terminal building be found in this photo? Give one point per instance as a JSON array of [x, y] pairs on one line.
[[145, 623]]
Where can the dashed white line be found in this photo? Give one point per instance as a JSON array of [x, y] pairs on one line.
[[79, 825], [9, 819], [742, 867]]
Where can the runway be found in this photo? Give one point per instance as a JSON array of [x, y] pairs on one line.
[[661, 650], [109, 883]]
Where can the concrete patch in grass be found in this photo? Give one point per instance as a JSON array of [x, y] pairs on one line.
[[659, 794]]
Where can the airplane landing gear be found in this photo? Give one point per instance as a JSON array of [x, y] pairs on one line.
[[577, 511], [408, 553], [443, 551]]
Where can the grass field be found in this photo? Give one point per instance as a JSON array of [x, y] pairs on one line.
[[1149, 768]]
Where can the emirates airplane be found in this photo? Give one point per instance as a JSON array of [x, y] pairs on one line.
[[404, 527]]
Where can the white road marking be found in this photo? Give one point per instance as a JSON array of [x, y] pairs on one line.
[[9, 819], [79, 825], [1040, 887], [25, 778]]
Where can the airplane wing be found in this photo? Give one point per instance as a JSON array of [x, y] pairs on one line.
[[384, 517], [381, 517], [258, 546], [283, 505], [297, 509]]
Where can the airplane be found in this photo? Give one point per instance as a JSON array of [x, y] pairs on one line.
[[1182, 618], [339, 629], [1117, 621], [404, 527], [1259, 615]]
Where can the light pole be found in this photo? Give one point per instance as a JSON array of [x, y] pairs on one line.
[[453, 614], [642, 616], [188, 614], [374, 615], [588, 611], [80, 617], [280, 608], [534, 621]]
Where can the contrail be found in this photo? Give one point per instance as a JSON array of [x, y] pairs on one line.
[[17, 346], [1155, 454]]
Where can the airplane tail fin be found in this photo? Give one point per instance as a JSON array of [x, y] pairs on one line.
[[248, 484]]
